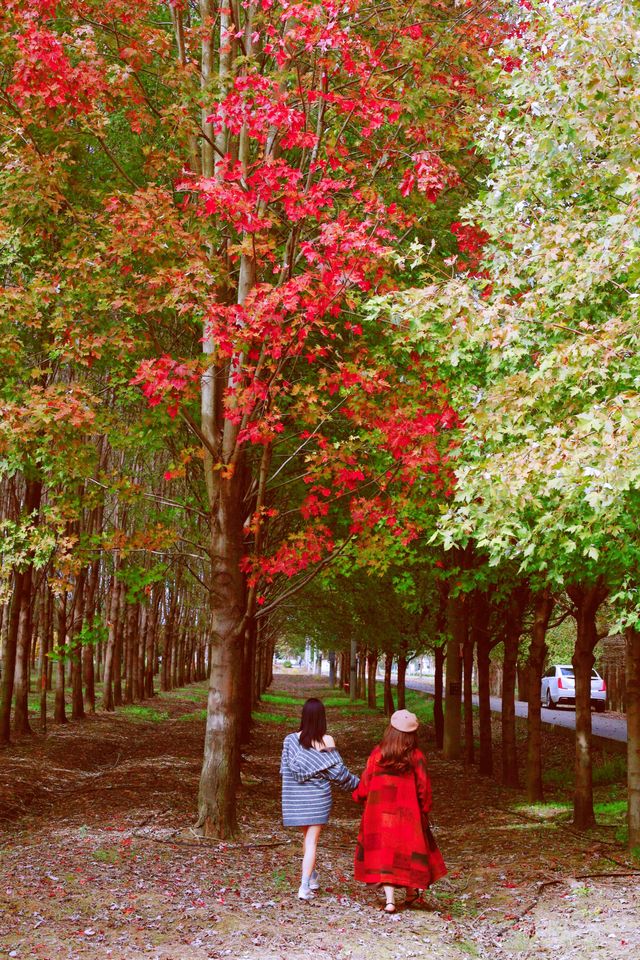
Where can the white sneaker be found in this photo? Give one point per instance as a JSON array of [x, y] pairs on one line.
[[305, 893], [314, 882]]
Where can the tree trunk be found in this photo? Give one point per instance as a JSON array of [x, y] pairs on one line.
[[21, 723], [112, 623], [513, 629], [587, 599], [221, 767], [353, 671], [45, 646], [543, 607], [438, 709], [453, 695], [59, 714], [480, 617], [401, 682], [372, 669], [467, 670], [388, 693], [118, 645], [75, 652], [9, 658], [332, 669], [89, 649], [633, 735], [362, 674]]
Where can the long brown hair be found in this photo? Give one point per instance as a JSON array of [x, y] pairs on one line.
[[313, 724], [396, 748]]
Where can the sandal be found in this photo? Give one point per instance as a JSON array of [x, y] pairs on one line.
[[390, 908], [410, 899]]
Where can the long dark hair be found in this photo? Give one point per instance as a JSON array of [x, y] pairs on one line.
[[396, 748], [313, 724]]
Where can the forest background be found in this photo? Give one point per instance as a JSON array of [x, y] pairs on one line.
[[317, 319]]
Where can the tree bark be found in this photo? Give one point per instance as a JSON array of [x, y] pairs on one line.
[[21, 723], [112, 625], [75, 653], [388, 693], [353, 671], [453, 695], [513, 630], [587, 599], [332, 669], [401, 682], [9, 658], [543, 607], [221, 762], [59, 708], [372, 669], [633, 735], [438, 707], [467, 670]]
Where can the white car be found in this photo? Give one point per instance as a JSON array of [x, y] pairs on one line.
[[558, 687]]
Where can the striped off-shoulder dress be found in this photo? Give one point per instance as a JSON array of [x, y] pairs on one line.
[[307, 775]]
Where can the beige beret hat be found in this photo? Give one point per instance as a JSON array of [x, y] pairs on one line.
[[404, 720]]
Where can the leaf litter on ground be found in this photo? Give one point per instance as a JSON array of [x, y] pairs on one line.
[[99, 858]]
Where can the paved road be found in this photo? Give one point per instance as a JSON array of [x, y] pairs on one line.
[[611, 728]]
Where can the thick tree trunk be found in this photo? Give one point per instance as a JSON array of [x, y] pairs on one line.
[[453, 694], [372, 669], [467, 666], [388, 693], [438, 707], [46, 642], [247, 684], [543, 606], [353, 671], [9, 658], [112, 624], [513, 629], [362, 674], [587, 599], [75, 654], [21, 723], [59, 714], [401, 682], [118, 699], [332, 669], [89, 650], [633, 735], [480, 623], [221, 767]]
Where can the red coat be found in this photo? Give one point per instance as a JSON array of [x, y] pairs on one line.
[[391, 846]]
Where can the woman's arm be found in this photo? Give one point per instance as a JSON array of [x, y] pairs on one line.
[[423, 783], [362, 791], [341, 776]]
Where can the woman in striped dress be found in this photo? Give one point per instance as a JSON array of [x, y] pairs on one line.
[[310, 764]]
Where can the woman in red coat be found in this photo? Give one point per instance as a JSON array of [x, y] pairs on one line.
[[393, 846]]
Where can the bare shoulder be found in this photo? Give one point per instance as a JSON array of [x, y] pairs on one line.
[[328, 742]]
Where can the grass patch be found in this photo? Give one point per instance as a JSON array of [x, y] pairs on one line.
[[106, 855], [198, 715], [277, 718], [611, 770], [281, 698], [563, 779], [195, 696], [543, 811], [135, 712], [419, 704]]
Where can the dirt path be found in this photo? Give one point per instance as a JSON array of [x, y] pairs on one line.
[[98, 861]]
